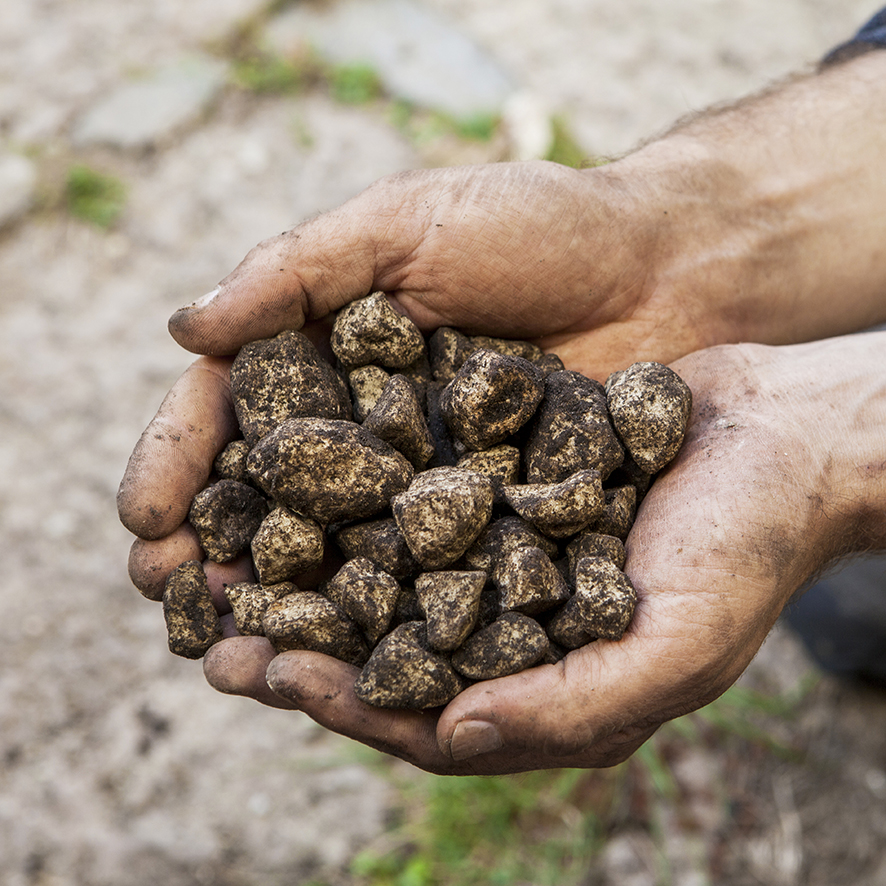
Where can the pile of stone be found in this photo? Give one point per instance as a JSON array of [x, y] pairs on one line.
[[435, 512]]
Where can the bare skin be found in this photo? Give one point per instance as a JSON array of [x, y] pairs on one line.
[[759, 223]]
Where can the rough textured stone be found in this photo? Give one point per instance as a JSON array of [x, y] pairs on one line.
[[366, 383], [191, 620], [397, 418], [446, 448], [369, 330], [366, 594], [512, 347], [308, 620], [528, 582], [226, 515], [284, 377], [601, 607], [510, 644], [286, 545], [549, 363], [650, 406], [447, 350], [492, 396], [501, 537], [403, 672], [250, 600], [571, 431], [500, 464], [381, 542], [619, 509], [442, 513], [451, 603], [328, 470], [230, 463], [593, 544], [559, 509]]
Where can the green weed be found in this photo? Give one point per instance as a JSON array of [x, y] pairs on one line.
[[268, 74], [355, 84], [94, 196], [565, 149], [541, 828]]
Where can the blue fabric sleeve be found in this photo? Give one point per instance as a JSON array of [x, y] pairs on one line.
[[871, 36]]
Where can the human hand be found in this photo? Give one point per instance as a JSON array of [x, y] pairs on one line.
[[782, 470]]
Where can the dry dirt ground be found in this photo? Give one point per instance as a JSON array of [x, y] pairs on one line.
[[118, 765]]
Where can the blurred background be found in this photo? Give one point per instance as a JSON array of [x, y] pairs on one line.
[[144, 148]]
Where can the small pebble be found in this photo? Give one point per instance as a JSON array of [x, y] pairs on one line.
[[403, 672], [510, 644], [192, 623], [226, 516]]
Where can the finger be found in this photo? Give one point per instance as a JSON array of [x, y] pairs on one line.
[[323, 688], [237, 666], [172, 460], [301, 275], [151, 562], [218, 575]]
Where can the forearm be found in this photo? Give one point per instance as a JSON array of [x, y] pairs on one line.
[[770, 223], [847, 377]]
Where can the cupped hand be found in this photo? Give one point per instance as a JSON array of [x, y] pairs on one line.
[[765, 492], [521, 250]]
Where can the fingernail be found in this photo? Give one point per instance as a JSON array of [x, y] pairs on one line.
[[203, 301], [473, 737]]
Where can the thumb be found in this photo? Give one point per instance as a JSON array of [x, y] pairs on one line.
[[308, 272]]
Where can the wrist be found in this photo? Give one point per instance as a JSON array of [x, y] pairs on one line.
[[768, 215]]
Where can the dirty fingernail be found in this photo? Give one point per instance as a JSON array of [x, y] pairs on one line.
[[473, 737], [203, 301]]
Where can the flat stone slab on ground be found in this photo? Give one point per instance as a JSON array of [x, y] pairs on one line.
[[143, 112], [418, 54], [18, 184]]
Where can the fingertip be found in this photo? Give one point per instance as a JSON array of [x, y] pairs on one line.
[[151, 561], [173, 458], [237, 666]]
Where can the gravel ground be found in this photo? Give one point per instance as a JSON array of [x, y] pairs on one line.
[[118, 765]]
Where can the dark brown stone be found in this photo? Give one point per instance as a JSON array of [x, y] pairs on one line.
[[448, 349], [381, 542], [191, 620], [559, 509], [328, 470], [510, 644], [528, 582], [451, 603], [491, 397], [249, 602], [286, 545], [442, 513], [366, 384], [403, 672], [366, 594], [397, 418], [281, 378], [308, 620], [226, 515], [650, 406], [230, 463], [501, 465], [601, 607], [619, 509], [369, 330], [502, 536], [571, 431], [593, 544]]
